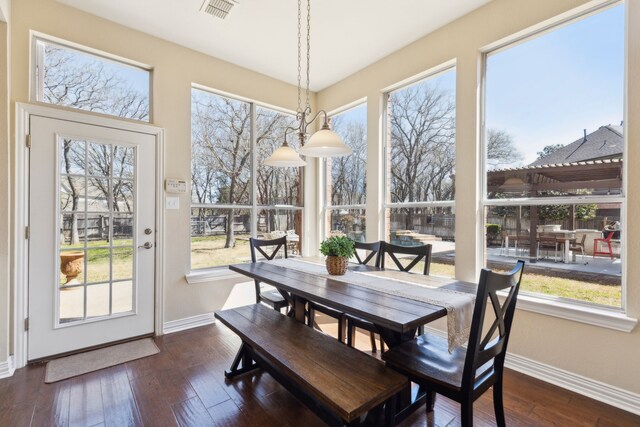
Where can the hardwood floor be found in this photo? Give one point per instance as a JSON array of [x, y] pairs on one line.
[[184, 385]]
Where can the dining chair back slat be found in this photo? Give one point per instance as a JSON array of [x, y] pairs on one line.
[[273, 297], [483, 348], [374, 251], [421, 253]]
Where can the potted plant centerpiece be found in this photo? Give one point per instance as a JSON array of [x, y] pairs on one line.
[[338, 250]]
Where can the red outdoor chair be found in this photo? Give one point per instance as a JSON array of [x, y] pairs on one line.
[[607, 241]]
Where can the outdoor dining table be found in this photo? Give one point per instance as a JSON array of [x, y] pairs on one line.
[[396, 318]]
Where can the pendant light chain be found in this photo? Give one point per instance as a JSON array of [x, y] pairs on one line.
[[299, 56], [308, 106]]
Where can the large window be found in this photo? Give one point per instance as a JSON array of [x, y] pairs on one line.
[[420, 159], [554, 152], [346, 176], [233, 195], [72, 78]]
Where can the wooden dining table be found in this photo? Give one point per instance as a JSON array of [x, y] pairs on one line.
[[396, 318]]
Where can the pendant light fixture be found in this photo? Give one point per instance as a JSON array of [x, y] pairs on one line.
[[325, 142]]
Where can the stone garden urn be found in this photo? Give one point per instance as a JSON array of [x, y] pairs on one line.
[[71, 265]]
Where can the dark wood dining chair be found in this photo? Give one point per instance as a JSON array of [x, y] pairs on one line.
[[269, 250], [369, 252], [419, 253], [465, 374]]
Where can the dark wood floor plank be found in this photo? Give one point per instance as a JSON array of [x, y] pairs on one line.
[[150, 398], [175, 386], [192, 413], [118, 401], [86, 395], [203, 381], [132, 394], [53, 404]]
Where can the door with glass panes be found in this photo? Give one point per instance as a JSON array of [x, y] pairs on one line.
[[92, 230]]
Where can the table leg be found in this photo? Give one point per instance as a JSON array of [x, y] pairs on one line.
[[299, 308]]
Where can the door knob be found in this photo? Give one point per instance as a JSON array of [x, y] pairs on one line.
[[147, 245]]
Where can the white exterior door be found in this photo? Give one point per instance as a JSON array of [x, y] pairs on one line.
[[91, 235]]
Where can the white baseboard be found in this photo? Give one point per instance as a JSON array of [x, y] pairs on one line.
[[188, 323], [7, 368], [596, 390], [614, 396]]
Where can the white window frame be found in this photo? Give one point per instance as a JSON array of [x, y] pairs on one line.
[[387, 204], [327, 206], [37, 71], [205, 274], [565, 308]]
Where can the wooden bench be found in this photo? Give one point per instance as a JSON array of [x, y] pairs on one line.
[[340, 384]]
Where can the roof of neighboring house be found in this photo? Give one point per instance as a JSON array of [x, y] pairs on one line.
[[605, 143]]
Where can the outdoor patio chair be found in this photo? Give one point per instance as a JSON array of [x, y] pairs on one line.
[[576, 246], [547, 242], [466, 373], [597, 244], [264, 293], [419, 253], [374, 254]]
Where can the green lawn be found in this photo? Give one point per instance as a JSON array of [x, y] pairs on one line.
[[596, 293], [97, 261], [210, 252]]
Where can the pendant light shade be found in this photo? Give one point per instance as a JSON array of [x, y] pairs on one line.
[[285, 156], [325, 143]]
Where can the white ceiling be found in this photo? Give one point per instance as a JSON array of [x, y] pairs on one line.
[[346, 35]]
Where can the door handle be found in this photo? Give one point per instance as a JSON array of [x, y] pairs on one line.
[[147, 245]]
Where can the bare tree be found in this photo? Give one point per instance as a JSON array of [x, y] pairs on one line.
[[422, 151], [348, 173], [501, 149], [89, 85]]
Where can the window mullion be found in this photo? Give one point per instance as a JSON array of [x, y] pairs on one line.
[[254, 173]]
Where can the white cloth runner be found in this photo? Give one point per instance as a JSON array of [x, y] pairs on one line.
[[459, 305]]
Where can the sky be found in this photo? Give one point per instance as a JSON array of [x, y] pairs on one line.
[[548, 89]]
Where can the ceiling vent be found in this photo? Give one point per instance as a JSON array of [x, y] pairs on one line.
[[218, 8]]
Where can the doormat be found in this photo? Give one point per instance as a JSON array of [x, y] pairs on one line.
[[83, 363]]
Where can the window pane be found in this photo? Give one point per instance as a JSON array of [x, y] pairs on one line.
[[219, 236], [350, 222], [276, 186], [275, 223], [554, 112], [420, 226], [80, 80], [421, 141], [347, 179], [220, 149], [560, 249]]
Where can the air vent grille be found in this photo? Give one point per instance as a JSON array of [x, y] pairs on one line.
[[218, 8]]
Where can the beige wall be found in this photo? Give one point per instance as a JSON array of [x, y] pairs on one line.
[[594, 352], [174, 69]]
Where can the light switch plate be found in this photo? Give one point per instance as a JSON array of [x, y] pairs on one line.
[[172, 203], [175, 186]]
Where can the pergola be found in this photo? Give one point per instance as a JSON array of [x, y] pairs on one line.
[[595, 177]]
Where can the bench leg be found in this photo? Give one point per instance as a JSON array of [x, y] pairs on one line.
[[248, 364]]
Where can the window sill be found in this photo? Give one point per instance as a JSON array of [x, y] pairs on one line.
[[602, 317], [210, 274]]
